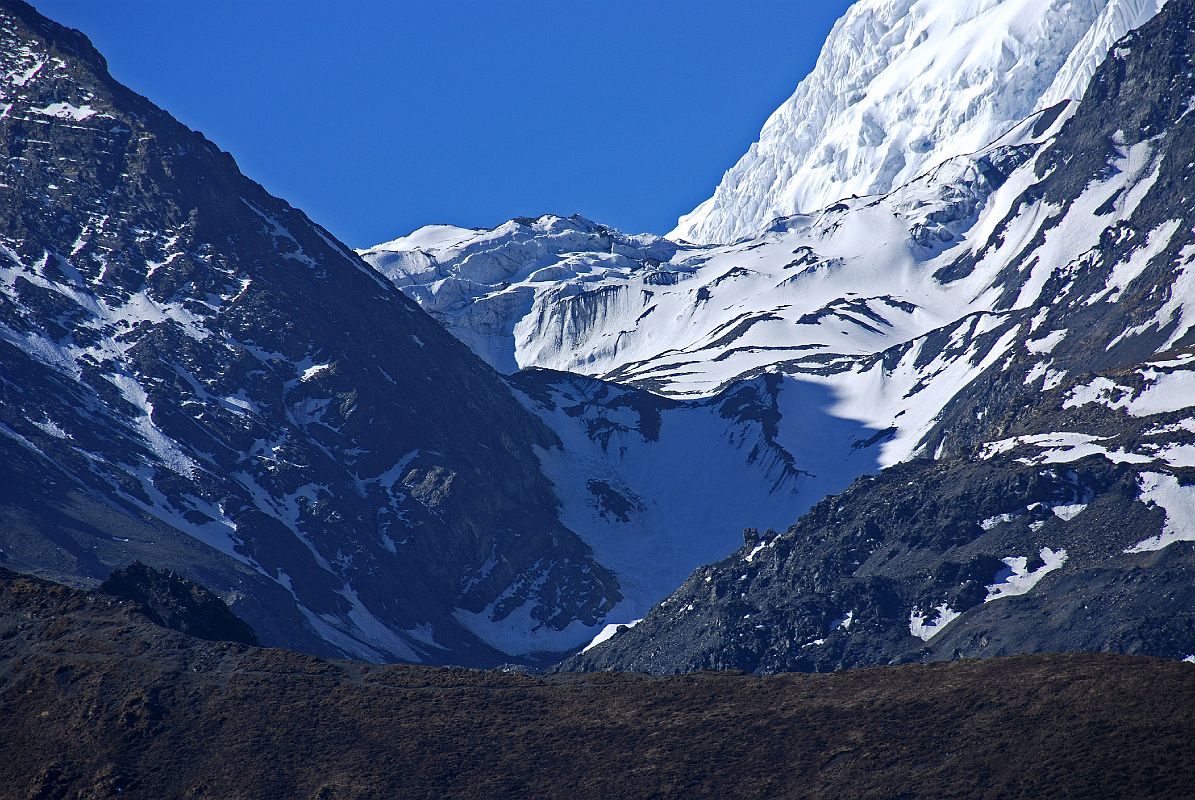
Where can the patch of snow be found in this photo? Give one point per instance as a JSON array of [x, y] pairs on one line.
[[1053, 379], [1169, 391], [66, 111], [991, 522], [608, 633], [925, 630], [1164, 392], [1177, 504], [239, 404], [755, 551], [1060, 448], [52, 428], [390, 477], [1101, 391], [1180, 427], [165, 448], [1047, 343], [313, 371], [1069, 511], [1062, 439], [374, 631], [1128, 270], [24, 442], [22, 77], [1018, 580], [1176, 455]]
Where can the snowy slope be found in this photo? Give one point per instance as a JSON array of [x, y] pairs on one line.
[[659, 487], [816, 298], [902, 85]]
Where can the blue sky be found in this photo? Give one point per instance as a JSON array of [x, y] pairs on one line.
[[378, 116]]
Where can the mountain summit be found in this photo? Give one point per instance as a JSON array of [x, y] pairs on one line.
[[903, 85]]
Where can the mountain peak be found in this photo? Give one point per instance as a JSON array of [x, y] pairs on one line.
[[903, 85]]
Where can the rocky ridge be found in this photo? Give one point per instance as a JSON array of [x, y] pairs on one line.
[[198, 376]]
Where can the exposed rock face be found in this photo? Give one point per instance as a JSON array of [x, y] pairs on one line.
[[175, 602], [1049, 504]]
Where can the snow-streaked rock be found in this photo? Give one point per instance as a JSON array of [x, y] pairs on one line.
[[195, 375]]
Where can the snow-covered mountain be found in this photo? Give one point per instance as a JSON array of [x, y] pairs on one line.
[[815, 298], [1002, 339], [903, 85], [1050, 503], [998, 346]]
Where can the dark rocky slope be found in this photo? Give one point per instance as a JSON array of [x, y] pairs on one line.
[[194, 374], [96, 701], [172, 601]]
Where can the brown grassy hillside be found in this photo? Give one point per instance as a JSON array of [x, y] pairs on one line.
[[97, 701]]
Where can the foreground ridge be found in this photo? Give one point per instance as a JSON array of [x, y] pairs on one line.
[[95, 700]]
